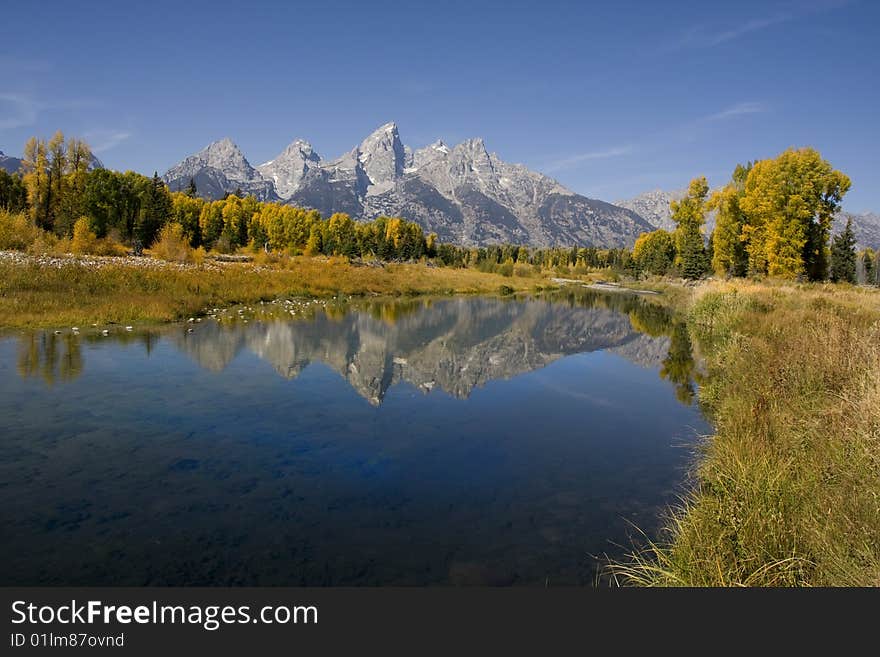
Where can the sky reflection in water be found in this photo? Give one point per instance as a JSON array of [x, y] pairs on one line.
[[463, 441]]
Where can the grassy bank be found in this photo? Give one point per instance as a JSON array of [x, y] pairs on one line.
[[788, 490], [72, 292]]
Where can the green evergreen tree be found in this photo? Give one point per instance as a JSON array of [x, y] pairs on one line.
[[689, 215], [843, 256], [13, 193], [156, 211]]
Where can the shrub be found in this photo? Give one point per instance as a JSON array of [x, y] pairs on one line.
[[84, 240], [172, 245], [223, 245], [262, 257], [108, 247], [16, 231], [47, 244]]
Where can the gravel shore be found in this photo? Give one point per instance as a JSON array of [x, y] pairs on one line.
[[97, 262]]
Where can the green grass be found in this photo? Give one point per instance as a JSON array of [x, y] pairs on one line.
[[34, 296], [787, 492]]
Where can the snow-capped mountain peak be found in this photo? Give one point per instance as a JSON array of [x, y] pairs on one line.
[[382, 155], [464, 193], [219, 168], [286, 171]]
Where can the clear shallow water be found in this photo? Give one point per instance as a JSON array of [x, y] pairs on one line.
[[462, 441]]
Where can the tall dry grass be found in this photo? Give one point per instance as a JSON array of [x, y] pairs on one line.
[[787, 491], [35, 295]]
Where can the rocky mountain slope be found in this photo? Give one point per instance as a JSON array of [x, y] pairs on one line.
[[217, 169], [866, 227], [8, 163], [653, 206], [464, 193]]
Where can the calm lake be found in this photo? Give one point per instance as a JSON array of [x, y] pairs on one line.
[[448, 441]]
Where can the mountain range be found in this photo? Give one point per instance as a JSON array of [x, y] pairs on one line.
[[464, 193]]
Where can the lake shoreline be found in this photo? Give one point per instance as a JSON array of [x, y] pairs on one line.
[[57, 291], [411, 441], [785, 493]]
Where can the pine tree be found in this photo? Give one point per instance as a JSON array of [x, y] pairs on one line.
[[191, 190], [156, 210], [689, 214], [843, 256]]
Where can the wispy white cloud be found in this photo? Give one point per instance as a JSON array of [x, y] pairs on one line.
[[737, 110], [573, 160], [19, 110], [753, 25], [104, 140], [702, 36]]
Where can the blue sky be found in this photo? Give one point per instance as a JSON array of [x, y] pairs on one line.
[[609, 98]]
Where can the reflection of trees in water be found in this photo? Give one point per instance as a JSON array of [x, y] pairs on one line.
[[59, 357], [655, 320], [52, 357], [56, 358], [391, 312], [679, 367], [651, 319]]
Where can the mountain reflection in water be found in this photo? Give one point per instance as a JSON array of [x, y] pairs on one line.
[[460, 440], [451, 344]]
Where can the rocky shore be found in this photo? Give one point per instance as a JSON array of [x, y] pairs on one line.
[[98, 262]]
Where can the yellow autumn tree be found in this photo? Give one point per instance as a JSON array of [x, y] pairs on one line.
[[789, 203], [35, 164], [394, 231], [654, 252], [84, 239], [729, 255]]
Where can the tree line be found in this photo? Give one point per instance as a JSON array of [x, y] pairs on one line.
[[773, 218], [57, 190], [59, 193]]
